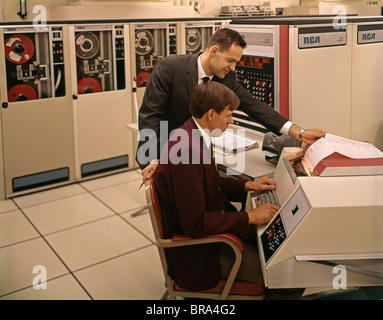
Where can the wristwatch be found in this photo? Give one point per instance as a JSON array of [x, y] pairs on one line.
[[300, 134]]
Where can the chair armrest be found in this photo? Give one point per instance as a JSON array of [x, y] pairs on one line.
[[229, 237]]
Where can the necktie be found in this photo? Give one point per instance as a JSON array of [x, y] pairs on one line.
[[212, 155], [206, 79]]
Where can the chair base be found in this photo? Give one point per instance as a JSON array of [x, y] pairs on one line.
[[240, 290]]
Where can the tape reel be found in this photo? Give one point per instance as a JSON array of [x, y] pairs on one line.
[[193, 39], [19, 48], [21, 92], [142, 79], [88, 85], [144, 42], [87, 45]]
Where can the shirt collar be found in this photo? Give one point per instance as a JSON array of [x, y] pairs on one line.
[[201, 73], [204, 134]]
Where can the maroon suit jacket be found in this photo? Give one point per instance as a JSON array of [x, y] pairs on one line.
[[194, 201]]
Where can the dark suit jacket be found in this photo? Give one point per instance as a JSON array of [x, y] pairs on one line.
[[194, 201], [167, 98]]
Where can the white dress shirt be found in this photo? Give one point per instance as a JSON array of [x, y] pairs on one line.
[[204, 134]]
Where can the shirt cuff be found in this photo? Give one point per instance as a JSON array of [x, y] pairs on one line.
[[286, 127]]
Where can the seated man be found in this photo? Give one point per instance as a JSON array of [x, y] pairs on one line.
[[194, 199]]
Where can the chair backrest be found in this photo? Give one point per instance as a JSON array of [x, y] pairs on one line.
[[154, 209], [156, 218]]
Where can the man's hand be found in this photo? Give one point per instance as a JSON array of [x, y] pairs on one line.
[[265, 212], [260, 185], [308, 136], [262, 214], [149, 170]]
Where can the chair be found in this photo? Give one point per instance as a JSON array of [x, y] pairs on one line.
[[226, 288]]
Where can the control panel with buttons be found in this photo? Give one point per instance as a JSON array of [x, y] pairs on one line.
[[172, 31], [120, 56], [256, 75], [119, 40], [57, 45], [273, 237]]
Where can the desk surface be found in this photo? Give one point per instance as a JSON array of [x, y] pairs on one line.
[[251, 162]]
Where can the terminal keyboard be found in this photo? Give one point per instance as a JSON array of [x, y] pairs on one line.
[[267, 197]]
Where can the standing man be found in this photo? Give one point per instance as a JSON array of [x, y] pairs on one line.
[[173, 79]]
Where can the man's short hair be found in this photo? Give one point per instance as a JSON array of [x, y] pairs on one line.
[[224, 38], [211, 95]]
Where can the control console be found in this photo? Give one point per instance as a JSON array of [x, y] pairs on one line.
[[273, 237]]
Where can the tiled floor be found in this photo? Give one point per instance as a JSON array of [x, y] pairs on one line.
[[82, 236], [85, 239]]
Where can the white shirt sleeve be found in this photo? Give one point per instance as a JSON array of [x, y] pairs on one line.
[[286, 127]]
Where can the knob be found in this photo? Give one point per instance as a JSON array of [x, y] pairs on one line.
[[19, 48]]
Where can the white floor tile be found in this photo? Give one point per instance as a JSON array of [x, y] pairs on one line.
[[141, 222], [137, 275], [7, 205], [18, 261], [62, 288], [15, 228], [65, 213], [123, 197], [97, 241], [111, 180]]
